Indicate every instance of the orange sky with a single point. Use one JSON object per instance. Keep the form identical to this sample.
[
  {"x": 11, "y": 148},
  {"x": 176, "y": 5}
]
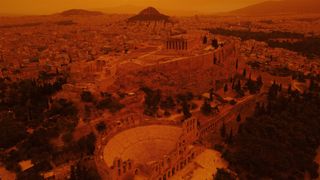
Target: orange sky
[{"x": 51, "y": 6}]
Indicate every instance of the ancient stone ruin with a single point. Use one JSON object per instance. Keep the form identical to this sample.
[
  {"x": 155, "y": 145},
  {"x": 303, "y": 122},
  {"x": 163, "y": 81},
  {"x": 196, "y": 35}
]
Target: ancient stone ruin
[{"x": 152, "y": 151}]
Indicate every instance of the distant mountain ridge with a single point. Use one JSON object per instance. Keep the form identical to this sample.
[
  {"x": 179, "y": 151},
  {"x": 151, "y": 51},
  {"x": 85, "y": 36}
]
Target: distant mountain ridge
[
  {"x": 280, "y": 7},
  {"x": 80, "y": 12},
  {"x": 133, "y": 9},
  {"x": 124, "y": 9}
]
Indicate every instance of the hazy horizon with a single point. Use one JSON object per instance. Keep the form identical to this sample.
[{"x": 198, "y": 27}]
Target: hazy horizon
[{"x": 37, "y": 7}]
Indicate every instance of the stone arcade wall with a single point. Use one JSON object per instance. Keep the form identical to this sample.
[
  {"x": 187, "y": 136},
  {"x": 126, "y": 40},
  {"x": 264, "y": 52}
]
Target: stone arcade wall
[
  {"x": 183, "y": 154},
  {"x": 196, "y": 74},
  {"x": 121, "y": 168}
]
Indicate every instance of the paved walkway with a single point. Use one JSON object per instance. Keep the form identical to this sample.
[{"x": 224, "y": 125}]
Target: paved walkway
[
  {"x": 202, "y": 167},
  {"x": 6, "y": 175}
]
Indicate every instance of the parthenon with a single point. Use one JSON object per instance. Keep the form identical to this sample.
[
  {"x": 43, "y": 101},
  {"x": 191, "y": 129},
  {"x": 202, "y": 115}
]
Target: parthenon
[{"x": 177, "y": 44}]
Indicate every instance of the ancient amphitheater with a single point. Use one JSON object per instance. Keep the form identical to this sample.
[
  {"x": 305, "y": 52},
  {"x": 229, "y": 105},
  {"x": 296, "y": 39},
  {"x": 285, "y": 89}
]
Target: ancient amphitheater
[
  {"x": 156, "y": 151},
  {"x": 142, "y": 144}
]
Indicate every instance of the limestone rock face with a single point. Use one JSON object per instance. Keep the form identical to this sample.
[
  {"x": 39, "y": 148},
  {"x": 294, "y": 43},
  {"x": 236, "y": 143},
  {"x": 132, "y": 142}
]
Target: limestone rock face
[
  {"x": 150, "y": 14},
  {"x": 280, "y": 7}
]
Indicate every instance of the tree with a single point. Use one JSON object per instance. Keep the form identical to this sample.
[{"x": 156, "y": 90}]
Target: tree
[
  {"x": 87, "y": 144},
  {"x": 152, "y": 100},
  {"x": 167, "y": 113},
  {"x": 101, "y": 126},
  {"x": 312, "y": 85},
  {"x": 244, "y": 73},
  {"x": 257, "y": 109},
  {"x": 43, "y": 76},
  {"x": 273, "y": 91},
  {"x": 223, "y": 174},
  {"x": 225, "y": 89},
  {"x": 253, "y": 86},
  {"x": 64, "y": 108},
  {"x": 67, "y": 137},
  {"x": 110, "y": 103},
  {"x": 289, "y": 89},
  {"x": 87, "y": 112},
  {"x": 34, "y": 59},
  {"x": 168, "y": 103},
  {"x": 223, "y": 130},
  {"x": 86, "y": 96},
  {"x": 237, "y": 64},
  {"x": 214, "y": 43},
  {"x": 24, "y": 104},
  {"x": 238, "y": 87},
  {"x": 239, "y": 118},
  {"x": 211, "y": 95},
  {"x": 230, "y": 137},
  {"x": 11, "y": 132},
  {"x": 206, "y": 108},
  {"x": 82, "y": 170},
  {"x": 205, "y": 40},
  {"x": 259, "y": 81},
  {"x": 188, "y": 96},
  {"x": 186, "y": 110},
  {"x": 287, "y": 136}
]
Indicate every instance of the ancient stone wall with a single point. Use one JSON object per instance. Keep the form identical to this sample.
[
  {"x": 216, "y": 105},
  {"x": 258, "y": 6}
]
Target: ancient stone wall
[
  {"x": 196, "y": 74},
  {"x": 183, "y": 154},
  {"x": 170, "y": 165},
  {"x": 214, "y": 124},
  {"x": 121, "y": 168}
]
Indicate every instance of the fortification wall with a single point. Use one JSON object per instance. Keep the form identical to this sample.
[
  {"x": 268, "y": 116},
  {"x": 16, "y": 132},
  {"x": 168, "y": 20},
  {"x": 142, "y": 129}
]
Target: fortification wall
[{"x": 196, "y": 74}]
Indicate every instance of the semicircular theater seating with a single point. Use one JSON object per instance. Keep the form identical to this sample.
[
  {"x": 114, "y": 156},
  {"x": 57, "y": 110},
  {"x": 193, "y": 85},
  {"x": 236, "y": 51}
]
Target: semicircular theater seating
[{"x": 142, "y": 144}]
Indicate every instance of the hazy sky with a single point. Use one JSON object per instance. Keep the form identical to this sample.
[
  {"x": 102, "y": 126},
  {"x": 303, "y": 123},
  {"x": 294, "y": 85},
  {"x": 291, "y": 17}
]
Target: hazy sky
[{"x": 51, "y": 6}]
